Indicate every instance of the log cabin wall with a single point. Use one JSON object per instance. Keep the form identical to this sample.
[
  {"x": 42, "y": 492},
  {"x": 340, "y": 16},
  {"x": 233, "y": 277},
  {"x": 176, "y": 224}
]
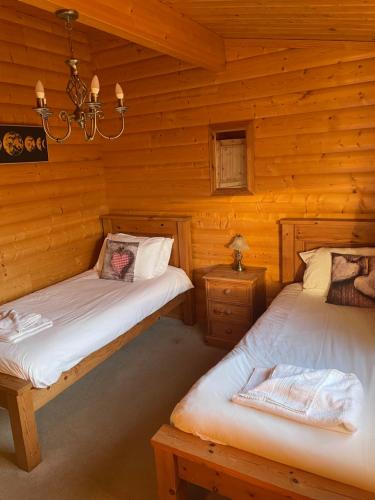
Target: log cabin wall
[
  {"x": 313, "y": 106},
  {"x": 49, "y": 226}
]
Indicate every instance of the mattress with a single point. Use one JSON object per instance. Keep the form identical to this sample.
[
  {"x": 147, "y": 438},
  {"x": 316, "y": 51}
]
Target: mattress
[
  {"x": 299, "y": 328},
  {"x": 88, "y": 313}
]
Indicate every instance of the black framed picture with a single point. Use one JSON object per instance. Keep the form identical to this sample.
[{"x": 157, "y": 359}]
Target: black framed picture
[{"x": 23, "y": 144}]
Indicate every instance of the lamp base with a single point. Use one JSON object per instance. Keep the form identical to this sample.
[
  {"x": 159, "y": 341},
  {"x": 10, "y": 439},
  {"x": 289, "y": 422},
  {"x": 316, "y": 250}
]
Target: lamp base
[
  {"x": 237, "y": 264},
  {"x": 238, "y": 267}
]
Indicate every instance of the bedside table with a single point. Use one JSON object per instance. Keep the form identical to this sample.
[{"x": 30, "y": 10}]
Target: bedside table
[{"x": 234, "y": 301}]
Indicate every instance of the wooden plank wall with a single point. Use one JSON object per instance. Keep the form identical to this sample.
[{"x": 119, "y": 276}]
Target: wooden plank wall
[
  {"x": 313, "y": 106},
  {"x": 49, "y": 227}
]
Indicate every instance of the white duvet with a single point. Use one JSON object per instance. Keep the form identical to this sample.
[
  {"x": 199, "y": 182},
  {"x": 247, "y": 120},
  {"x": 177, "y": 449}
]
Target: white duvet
[
  {"x": 87, "y": 314},
  {"x": 299, "y": 329}
]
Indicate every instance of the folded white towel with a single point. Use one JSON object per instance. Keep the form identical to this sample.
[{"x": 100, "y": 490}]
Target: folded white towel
[
  {"x": 324, "y": 398},
  {"x": 12, "y": 319},
  {"x": 16, "y": 326}
]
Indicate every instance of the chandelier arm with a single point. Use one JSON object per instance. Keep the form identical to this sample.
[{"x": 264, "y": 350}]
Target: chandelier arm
[
  {"x": 64, "y": 117},
  {"x": 89, "y": 136},
  {"x": 113, "y": 137}
]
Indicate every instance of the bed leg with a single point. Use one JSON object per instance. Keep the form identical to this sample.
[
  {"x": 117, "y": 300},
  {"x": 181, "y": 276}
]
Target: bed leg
[
  {"x": 170, "y": 486},
  {"x": 25, "y": 435},
  {"x": 189, "y": 308}
]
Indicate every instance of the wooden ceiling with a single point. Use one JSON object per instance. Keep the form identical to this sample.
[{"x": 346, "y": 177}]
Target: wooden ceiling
[
  {"x": 149, "y": 23},
  {"x": 284, "y": 19},
  {"x": 194, "y": 30}
]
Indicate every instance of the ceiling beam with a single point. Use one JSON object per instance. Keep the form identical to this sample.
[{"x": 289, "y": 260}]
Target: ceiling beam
[{"x": 149, "y": 23}]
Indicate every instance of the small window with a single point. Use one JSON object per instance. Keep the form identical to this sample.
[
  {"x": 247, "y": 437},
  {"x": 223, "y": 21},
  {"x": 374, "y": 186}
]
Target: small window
[{"x": 231, "y": 158}]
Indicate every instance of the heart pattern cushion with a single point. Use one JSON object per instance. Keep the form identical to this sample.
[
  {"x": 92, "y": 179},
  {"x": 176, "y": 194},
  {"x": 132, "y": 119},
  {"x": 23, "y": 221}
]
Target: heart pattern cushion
[
  {"x": 119, "y": 260},
  {"x": 352, "y": 280}
]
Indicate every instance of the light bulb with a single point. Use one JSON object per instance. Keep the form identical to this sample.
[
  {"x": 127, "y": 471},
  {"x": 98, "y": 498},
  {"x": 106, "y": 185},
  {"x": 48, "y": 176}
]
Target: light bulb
[
  {"x": 119, "y": 92},
  {"x": 39, "y": 90},
  {"x": 95, "y": 87}
]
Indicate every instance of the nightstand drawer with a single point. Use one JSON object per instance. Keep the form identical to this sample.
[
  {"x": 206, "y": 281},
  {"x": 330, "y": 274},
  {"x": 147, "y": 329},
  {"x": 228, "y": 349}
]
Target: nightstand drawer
[
  {"x": 230, "y": 331},
  {"x": 228, "y": 291},
  {"x": 229, "y": 312}
]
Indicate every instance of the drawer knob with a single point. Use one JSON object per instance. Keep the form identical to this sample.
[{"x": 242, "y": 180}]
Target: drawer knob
[
  {"x": 228, "y": 331},
  {"x": 227, "y": 291},
  {"x": 220, "y": 311}
]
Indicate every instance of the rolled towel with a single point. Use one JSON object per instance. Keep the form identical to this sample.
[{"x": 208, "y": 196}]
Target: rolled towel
[
  {"x": 325, "y": 398},
  {"x": 11, "y": 319},
  {"x": 15, "y": 326}
]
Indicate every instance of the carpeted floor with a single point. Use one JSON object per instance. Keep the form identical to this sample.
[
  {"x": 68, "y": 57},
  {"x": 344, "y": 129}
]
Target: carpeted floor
[{"x": 95, "y": 436}]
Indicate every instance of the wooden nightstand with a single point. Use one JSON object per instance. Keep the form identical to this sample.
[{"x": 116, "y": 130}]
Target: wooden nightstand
[{"x": 234, "y": 301}]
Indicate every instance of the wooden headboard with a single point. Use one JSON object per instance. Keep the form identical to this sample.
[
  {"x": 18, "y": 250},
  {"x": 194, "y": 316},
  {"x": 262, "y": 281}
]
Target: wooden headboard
[
  {"x": 177, "y": 228},
  {"x": 298, "y": 235}
]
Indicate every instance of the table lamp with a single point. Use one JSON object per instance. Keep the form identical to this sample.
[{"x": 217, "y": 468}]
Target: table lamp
[{"x": 239, "y": 245}]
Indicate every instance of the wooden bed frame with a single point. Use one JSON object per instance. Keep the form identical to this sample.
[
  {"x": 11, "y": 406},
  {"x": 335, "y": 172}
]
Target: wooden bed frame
[
  {"x": 22, "y": 400},
  {"x": 183, "y": 458}
]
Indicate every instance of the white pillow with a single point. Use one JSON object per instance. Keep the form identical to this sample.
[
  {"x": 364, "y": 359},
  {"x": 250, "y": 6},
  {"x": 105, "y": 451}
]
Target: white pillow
[
  {"x": 318, "y": 262},
  {"x": 152, "y": 257}
]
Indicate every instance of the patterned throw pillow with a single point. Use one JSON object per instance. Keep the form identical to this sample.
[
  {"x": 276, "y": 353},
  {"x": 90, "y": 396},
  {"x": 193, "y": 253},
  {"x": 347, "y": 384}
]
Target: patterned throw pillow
[
  {"x": 119, "y": 261},
  {"x": 352, "y": 281}
]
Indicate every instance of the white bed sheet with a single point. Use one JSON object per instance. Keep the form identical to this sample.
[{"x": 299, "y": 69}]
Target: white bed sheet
[
  {"x": 88, "y": 313},
  {"x": 299, "y": 328}
]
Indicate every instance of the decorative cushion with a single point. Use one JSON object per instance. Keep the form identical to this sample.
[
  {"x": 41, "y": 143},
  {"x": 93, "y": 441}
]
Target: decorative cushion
[
  {"x": 152, "y": 257},
  {"x": 318, "y": 262},
  {"x": 119, "y": 261},
  {"x": 352, "y": 281}
]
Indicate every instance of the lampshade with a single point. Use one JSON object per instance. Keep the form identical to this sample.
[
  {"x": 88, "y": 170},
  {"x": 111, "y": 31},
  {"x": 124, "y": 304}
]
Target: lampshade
[{"x": 239, "y": 243}]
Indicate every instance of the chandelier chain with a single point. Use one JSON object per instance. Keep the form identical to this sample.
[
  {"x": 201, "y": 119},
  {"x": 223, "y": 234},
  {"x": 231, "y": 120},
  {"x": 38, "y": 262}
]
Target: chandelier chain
[{"x": 69, "y": 29}]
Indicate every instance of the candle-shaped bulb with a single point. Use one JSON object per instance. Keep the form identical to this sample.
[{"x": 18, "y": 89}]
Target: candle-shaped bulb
[
  {"x": 39, "y": 90},
  {"x": 95, "y": 87},
  {"x": 119, "y": 92}
]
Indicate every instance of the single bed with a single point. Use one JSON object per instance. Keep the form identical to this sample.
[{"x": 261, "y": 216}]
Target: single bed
[
  {"x": 87, "y": 313},
  {"x": 90, "y": 316},
  {"x": 268, "y": 456}
]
